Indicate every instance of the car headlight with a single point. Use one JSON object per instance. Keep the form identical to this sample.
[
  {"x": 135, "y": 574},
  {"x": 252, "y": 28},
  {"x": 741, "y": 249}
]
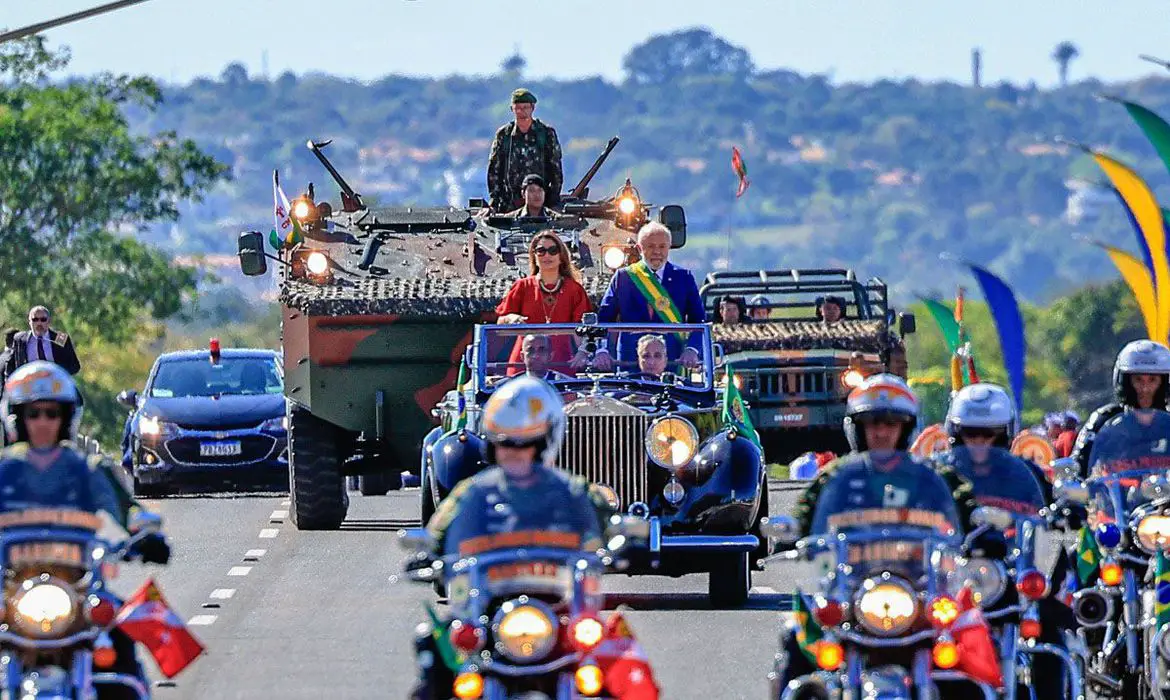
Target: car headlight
[
  {"x": 275, "y": 424},
  {"x": 1153, "y": 533},
  {"x": 152, "y": 426},
  {"x": 43, "y": 608},
  {"x": 986, "y": 577},
  {"x": 671, "y": 442},
  {"x": 886, "y": 607},
  {"x": 524, "y": 630},
  {"x": 851, "y": 378}
]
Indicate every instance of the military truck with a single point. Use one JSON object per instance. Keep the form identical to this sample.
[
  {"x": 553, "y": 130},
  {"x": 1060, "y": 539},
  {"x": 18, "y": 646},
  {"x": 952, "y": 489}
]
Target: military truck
[
  {"x": 794, "y": 370},
  {"x": 378, "y": 305}
]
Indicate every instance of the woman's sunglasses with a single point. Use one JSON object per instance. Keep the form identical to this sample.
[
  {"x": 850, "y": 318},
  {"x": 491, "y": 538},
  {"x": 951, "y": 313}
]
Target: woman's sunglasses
[
  {"x": 34, "y": 413},
  {"x": 978, "y": 432},
  {"x": 546, "y": 250}
]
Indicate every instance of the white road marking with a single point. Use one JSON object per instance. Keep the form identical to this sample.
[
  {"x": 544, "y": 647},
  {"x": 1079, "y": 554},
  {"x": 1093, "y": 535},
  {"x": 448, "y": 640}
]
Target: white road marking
[
  {"x": 202, "y": 620},
  {"x": 239, "y": 570},
  {"x": 255, "y": 553},
  {"x": 223, "y": 593},
  {"x": 286, "y": 503},
  {"x": 764, "y": 589},
  {"x": 278, "y": 515},
  {"x": 268, "y": 533}
]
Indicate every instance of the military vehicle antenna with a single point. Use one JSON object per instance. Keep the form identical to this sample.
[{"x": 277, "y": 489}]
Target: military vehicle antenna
[
  {"x": 66, "y": 19},
  {"x": 350, "y": 200},
  {"x": 583, "y": 186}
]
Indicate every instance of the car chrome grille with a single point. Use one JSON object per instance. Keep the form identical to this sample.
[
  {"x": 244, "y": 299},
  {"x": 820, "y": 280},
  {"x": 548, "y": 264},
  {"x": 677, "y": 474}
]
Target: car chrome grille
[
  {"x": 253, "y": 448},
  {"x": 609, "y": 450}
]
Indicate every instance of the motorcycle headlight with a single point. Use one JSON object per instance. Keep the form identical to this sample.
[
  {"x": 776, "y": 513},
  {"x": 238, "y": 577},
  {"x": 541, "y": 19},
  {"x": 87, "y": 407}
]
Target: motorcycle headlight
[
  {"x": 886, "y": 607},
  {"x": 1153, "y": 533},
  {"x": 524, "y": 630},
  {"x": 43, "y": 607},
  {"x": 987, "y": 578},
  {"x": 671, "y": 442}
]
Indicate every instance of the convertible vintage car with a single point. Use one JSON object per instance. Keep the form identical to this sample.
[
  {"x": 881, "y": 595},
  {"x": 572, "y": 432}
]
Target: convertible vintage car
[{"x": 654, "y": 441}]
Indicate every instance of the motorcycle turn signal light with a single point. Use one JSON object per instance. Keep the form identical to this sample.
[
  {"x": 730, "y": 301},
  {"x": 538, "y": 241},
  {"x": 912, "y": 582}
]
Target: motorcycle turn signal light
[
  {"x": 1111, "y": 573},
  {"x": 587, "y": 632},
  {"x": 589, "y": 680},
  {"x": 943, "y": 611},
  {"x": 1030, "y": 629},
  {"x": 468, "y": 686},
  {"x": 1032, "y": 585},
  {"x": 104, "y": 657},
  {"x": 945, "y": 654},
  {"x": 830, "y": 655}
]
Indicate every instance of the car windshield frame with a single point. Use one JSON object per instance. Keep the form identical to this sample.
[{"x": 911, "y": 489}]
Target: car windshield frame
[
  {"x": 484, "y": 333},
  {"x": 224, "y": 360}
]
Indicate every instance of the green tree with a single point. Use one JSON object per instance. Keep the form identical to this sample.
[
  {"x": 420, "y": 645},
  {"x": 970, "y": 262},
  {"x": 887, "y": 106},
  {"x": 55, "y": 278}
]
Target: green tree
[{"x": 1063, "y": 54}]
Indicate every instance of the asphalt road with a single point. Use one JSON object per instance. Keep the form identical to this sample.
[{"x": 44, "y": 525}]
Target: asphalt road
[{"x": 293, "y": 614}]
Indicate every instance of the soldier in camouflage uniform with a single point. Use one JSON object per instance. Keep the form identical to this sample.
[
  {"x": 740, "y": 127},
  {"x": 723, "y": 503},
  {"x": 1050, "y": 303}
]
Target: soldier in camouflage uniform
[
  {"x": 523, "y": 146},
  {"x": 533, "y": 191}
]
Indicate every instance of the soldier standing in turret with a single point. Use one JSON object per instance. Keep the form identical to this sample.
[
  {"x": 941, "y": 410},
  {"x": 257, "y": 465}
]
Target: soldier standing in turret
[{"x": 523, "y": 146}]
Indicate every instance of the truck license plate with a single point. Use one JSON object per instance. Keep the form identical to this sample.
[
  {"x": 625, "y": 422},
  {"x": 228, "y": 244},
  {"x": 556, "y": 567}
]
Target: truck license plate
[{"x": 219, "y": 449}]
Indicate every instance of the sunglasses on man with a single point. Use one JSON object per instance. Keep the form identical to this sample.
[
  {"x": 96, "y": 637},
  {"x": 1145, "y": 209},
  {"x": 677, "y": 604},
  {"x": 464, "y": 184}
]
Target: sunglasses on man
[
  {"x": 48, "y": 413},
  {"x": 987, "y": 433},
  {"x": 39, "y": 319}
]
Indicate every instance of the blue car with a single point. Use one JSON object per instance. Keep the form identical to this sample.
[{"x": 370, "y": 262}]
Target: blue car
[{"x": 208, "y": 417}]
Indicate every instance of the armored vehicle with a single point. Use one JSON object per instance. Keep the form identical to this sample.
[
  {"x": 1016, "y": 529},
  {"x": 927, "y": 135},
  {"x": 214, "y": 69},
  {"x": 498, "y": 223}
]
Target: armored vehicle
[
  {"x": 794, "y": 369},
  {"x": 379, "y": 304}
]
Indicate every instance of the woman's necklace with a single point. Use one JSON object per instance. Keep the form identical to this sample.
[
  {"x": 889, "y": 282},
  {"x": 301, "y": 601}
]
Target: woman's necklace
[{"x": 550, "y": 297}]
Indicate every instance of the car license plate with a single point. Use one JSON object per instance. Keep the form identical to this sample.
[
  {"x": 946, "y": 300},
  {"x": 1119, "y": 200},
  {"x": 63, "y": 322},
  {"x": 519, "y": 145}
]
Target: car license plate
[{"x": 219, "y": 449}]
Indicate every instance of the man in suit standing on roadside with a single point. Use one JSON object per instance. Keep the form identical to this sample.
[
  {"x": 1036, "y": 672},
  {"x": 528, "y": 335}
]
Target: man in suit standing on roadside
[{"x": 41, "y": 342}]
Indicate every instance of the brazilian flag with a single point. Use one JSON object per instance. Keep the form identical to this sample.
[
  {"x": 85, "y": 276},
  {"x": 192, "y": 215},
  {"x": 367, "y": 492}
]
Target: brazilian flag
[
  {"x": 1088, "y": 555},
  {"x": 460, "y": 419},
  {"x": 1161, "y": 590},
  {"x": 442, "y": 636},
  {"x": 735, "y": 412},
  {"x": 808, "y": 632}
]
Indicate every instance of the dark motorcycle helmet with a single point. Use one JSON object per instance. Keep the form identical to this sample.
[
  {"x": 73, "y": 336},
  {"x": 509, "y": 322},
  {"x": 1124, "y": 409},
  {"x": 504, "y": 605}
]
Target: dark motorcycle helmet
[
  {"x": 880, "y": 396},
  {"x": 40, "y": 381},
  {"x": 525, "y": 412},
  {"x": 1141, "y": 357},
  {"x": 982, "y": 406}
]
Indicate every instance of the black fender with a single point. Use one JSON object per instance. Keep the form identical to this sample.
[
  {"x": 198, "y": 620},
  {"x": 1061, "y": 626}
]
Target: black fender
[
  {"x": 724, "y": 485},
  {"x": 455, "y": 457}
]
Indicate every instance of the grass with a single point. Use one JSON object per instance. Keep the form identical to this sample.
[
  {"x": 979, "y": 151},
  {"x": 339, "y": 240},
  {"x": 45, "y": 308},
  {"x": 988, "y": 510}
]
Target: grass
[{"x": 778, "y": 471}]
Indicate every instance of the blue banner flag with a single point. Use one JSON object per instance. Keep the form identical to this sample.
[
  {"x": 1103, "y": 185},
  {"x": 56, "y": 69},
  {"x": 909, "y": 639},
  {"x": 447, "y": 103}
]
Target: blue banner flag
[{"x": 1001, "y": 301}]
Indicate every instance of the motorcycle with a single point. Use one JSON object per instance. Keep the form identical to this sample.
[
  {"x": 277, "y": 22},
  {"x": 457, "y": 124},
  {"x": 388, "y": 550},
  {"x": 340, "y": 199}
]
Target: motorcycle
[
  {"x": 525, "y": 620},
  {"x": 884, "y": 613},
  {"x": 57, "y": 610}
]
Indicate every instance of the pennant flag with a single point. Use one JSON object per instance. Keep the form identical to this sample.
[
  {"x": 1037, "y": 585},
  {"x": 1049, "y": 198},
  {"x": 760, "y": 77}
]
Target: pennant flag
[
  {"x": 956, "y": 372},
  {"x": 808, "y": 632},
  {"x": 1161, "y": 590},
  {"x": 1154, "y": 127},
  {"x": 740, "y": 171},
  {"x": 287, "y": 229},
  {"x": 461, "y": 401},
  {"x": 964, "y": 341},
  {"x": 735, "y": 413},
  {"x": 625, "y": 668},
  {"x": 1088, "y": 555},
  {"x": 945, "y": 318},
  {"x": 978, "y": 657},
  {"x": 1140, "y": 280},
  {"x": 1010, "y": 325},
  {"x": 147, "y": 619},
  {"x": 442, "y": 636},
  {"x": 1148, "y": 214},
  {"x": 1147, "y": 258}
]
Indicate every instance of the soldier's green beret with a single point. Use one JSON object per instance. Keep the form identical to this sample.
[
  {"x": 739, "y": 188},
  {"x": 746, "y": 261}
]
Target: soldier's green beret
[{"x": 522, "y": 95}]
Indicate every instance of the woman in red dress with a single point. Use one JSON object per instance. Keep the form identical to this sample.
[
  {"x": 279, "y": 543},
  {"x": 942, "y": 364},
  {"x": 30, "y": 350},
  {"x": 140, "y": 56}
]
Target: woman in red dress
[{"x": 551, "y": 293}]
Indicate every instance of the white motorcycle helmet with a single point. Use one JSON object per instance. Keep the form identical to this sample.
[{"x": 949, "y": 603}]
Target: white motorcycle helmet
[
  {"x": 40, "y": 381},
  {"x": 879, "y": 396},
  {"x": 983, "y": 406},
  {"x": 525, "y": 411},
  {"x": 1141, "y": 357}
]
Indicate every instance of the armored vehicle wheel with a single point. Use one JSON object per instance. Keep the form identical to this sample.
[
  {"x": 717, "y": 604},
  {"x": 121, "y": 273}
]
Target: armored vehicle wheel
[
  {"x": 379, "y": 483},
  {"x": 730, "y": 580},
  {"x": 317, "y": 495}
]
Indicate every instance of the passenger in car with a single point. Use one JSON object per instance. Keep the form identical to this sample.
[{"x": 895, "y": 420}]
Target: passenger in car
[
  {"x": 652, "y": 356},
  {"x": 731, "y": 310},
  {"x": 758, "y": 308},
  {"x": 830, "y": 310},
  {"x": 537, "y": 353}
]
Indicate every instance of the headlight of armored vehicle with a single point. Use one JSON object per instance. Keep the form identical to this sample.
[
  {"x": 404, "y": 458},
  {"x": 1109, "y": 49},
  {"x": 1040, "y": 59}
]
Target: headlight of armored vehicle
[
  {"x": 524, "y": 630},
  {"x": 43, "y": 607},
  {"x": 1153, "y": 533},
  {"x": 987, "y": 578},
  {"x": 671, "y": 442},
  {"x": 886, "y": 607}
]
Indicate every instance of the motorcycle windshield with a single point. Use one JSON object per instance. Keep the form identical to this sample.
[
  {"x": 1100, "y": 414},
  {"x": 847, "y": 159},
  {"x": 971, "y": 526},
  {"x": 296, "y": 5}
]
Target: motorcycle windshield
[
  {"x": 1118, "y": 467},
  {"x": 999, "y": 479},
  {"x": 909, "y": 496}
]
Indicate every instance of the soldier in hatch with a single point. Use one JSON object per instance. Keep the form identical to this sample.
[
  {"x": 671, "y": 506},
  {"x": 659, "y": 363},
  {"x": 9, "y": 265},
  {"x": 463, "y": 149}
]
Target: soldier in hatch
[
  {"x": 534, "y": 198},
  {"x": 522, "y": 146}
]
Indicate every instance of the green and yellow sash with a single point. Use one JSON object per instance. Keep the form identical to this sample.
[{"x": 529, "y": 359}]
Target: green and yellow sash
[{"x": 648, "y": 284}]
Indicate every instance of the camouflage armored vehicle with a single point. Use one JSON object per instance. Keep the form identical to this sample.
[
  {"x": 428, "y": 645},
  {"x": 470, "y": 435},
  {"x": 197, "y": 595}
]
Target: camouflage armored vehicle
[
  {"x": 795, "y": 370},
  {"x": 378, "y": 306}
]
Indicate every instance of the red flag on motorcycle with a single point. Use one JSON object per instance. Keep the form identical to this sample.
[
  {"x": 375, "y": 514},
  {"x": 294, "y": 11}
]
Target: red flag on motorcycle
[
  {"x": 740, "y": 171},
  {"x": 624, "y": 664},
  {"x": 978, "y": 657},
  {"x": 147, "y": 618}
]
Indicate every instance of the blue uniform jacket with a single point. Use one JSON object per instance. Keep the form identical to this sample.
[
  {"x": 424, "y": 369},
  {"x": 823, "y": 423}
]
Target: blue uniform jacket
[{"x": 625, "y": 304}]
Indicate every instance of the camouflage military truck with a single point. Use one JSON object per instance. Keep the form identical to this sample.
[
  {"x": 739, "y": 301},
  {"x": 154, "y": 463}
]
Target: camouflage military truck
[
  {"x": 378, "y": 306},
  {"x": 794, "y": 370}
]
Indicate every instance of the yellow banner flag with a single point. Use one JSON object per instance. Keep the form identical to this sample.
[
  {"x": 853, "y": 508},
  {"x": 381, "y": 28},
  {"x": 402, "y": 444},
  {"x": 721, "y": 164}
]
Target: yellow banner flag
[
  {"x": 1144, "y": 205},
  {"x": 1135, "y": 274}
]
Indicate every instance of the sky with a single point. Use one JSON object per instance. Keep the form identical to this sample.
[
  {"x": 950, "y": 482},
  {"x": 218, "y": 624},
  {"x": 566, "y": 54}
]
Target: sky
[{"x": 852, "y": 40}]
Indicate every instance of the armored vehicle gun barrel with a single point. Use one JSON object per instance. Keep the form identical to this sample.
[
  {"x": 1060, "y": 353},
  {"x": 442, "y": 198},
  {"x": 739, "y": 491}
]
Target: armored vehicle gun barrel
[
  {"x": 350, "y": 200},
  {"x": 582, "y": 187}
]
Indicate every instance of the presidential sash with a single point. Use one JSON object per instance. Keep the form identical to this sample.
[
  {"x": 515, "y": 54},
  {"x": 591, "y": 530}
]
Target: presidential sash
[{"x": 651, "y": 288}]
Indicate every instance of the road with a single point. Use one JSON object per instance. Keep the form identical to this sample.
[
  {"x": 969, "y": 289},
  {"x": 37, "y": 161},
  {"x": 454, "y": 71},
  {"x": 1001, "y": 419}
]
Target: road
[{"x": 293, "y": 614}]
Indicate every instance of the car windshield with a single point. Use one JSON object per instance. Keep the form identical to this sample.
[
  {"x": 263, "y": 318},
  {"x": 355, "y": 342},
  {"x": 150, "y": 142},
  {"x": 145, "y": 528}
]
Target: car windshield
[
  {"x": 232, "y": 376},
  {"x": 639, "y": 352}
]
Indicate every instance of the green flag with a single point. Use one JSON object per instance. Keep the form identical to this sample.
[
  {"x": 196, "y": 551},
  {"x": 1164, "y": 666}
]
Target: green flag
[
  {"x": 735, "y": 413},
  {"x": 945, "y": 318},
  {"x": 441, "y": 634},
  {"x": 1161, "y": 590},
  {"x": 808, "y": 632},
  {"x": 1088, "y": 556},
  {"x": 461, "y": 416},
  {"x": 1154, "y": 127}
]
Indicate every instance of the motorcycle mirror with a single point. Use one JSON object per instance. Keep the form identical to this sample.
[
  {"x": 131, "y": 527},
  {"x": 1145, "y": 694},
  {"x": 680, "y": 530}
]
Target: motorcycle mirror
[
  {"x": 415, "y": 539},
  {"x": 781, "y": 528},
  {"x": 997, "y": 518},
  {"x": 1155, "y": 486},
  {"x": 1071, "y": 490},
  {"x": 145, "y": 521}
]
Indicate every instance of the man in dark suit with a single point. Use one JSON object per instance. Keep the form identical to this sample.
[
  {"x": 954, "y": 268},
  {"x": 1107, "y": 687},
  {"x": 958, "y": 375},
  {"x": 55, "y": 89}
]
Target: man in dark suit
[
  {"x": 635, "y": 296},
  {"x": 43, "y": 343}
]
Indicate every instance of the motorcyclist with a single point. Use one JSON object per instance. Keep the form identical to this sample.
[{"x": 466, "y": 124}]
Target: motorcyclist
[
  {"x": 1136, "y": 358},
  {"x": 43, "y": 468},
  {"x": 880, "y": 416},
  {"x": 523, "y": 425},
  {"x": 1140, "y": 379}
]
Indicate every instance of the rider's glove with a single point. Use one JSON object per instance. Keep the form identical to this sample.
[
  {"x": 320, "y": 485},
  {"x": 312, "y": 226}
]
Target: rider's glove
[
  {"x": 420, "y": 560},
  {"x": 152, "y": 549}
]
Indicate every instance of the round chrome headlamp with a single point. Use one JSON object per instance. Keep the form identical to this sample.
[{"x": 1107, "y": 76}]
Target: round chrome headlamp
[
  {"x": 671, "y": 442},
  {"x": 1153, "y": 533},
  {"x": 885, "y": 606},
  {"x": 43, "y": 607},
  {"x": 525, "y": 630},
  {"x": 987, "y": 577}
]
